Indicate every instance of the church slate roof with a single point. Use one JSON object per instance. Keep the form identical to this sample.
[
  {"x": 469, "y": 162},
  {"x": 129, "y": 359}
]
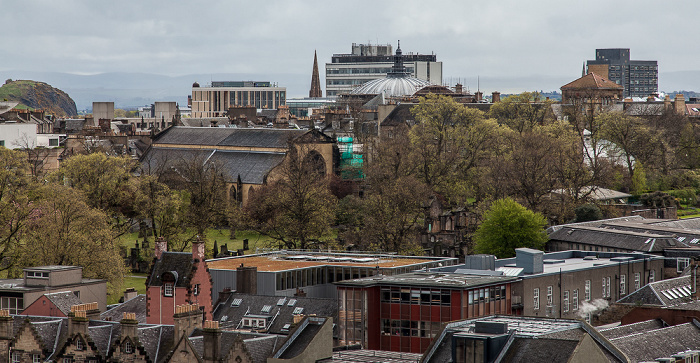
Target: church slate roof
[
  {"x": 613, "y": 238},
  {"x": 629, "y": 329},
  {"x": 540, "y": 350},
  {"x": 663, "y": 342},
  {"x": 226, "y": 136},
  {"x": 667, "y": 292}
]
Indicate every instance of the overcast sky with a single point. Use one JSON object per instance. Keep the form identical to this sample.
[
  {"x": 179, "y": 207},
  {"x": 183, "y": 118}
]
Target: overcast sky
[{"x": 510, "y": 38}]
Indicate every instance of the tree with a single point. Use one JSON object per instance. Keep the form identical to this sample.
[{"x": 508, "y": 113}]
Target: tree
[
  {"x": 107, "y": 183},
  {"x": 508, "y": 225},
  {"x": 15, "y": 205},
  {"x": 65, "y": 230},
  {"x": 298, "y": 208},
  {"x": 522, "y": 112},
  {"x": 588, "y": 212}
]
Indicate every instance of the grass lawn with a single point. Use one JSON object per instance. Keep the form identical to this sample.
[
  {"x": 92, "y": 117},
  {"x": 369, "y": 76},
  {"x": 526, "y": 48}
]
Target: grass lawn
[
  {"x": 220, "y": 236},
  {"x": 135, "y": 280}
]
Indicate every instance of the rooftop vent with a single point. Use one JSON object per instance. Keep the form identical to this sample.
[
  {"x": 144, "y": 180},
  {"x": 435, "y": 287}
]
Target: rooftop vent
[{"x": 490, "y": 327}]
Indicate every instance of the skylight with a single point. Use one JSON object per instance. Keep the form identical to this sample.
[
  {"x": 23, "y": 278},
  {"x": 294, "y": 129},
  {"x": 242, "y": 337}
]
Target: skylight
[
  {"x": 266, "y": 308},
  {"x": 236, "y": 302},
  {"x": 292, "y": 302},
  {"x": 281, "y": 301},
  {"x": 298, "y": 311}
]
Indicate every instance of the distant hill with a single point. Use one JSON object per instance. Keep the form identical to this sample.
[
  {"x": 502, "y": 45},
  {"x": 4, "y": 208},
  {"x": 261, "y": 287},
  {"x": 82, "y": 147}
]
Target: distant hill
[{"x": 41, "y": 95}]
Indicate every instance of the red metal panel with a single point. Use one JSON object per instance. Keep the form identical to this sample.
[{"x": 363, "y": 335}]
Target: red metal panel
[{"x": 456, "y": 304}]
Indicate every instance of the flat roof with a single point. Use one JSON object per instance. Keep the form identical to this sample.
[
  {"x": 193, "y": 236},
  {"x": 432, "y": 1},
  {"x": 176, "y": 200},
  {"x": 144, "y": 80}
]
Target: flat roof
[
  {"x": 523, "y": 325},
  {"x": 429, "y": 279},
  {"x": 281, "y": 261}
]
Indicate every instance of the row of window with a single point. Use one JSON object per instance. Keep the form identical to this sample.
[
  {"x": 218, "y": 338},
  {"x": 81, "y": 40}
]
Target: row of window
[
  {"x": 382, "y": 70},
  {"x": 494, "y": 293},
  {"x": 169, "y": 289},
  {"x": 16, "y": 357},
  {"x": 36, "y": 274},
  {"x": 409, "y": 296},
  {"x": 410, "y": 328},
  {"x": 587, "y": 291}
]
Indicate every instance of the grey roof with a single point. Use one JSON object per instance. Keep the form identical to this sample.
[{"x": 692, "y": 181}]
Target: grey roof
[
  {"x": 598, "y": 193},
  {"x": 433, "y": 279},
  {"x": 135, "y": 305},
  {"x": 63, "y": 300},
  {"x": 230, "y": 316},
  {"x": 613, "y": 238},
  {"x": 372, "y": 356},
  {"x": 667, "y": 292},
  {"x": 597, "y": 223},
  {"x": 220, "y": 136},
  {"x": 301, "y": 341},
  {"x": 629, "y": 329},
  {"x": 260, "y": 348},
  {"x": 664, "y": 342},
  {"x": 252, "y": 167},
  {"x": 540, "y": 350},
  {"x": 203, "y": 121},
  {"x": 179, "y": 262}
]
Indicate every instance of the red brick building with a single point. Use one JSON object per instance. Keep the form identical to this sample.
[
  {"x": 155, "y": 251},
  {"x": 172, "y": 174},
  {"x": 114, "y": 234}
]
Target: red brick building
[
  {"x": 177, "y": 278},
  {"x": 403, "y": 313}
]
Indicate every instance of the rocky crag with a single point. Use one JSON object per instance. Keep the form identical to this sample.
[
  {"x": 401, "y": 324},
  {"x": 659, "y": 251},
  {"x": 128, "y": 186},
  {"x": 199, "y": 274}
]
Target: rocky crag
[{"x": 39, "y": 95}]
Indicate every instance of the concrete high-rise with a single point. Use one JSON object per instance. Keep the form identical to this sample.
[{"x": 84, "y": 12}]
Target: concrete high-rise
[
  {"x": 371, "y": 61},
  {"x": 639, "y": 78}
]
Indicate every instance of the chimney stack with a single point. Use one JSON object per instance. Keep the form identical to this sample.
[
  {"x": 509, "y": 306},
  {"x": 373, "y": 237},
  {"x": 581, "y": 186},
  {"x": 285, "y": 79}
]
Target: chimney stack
[
  {"x": 247, "y": 279},
  {"x": 458, "y": 88},
  {"x": 495, "y": 97},
  {"x": 129, "y": 326},
  {"x": 130, "y": 293},
  {"x": 198, "y": 250},
  {"x": 679, "y": 104},
  {"x": 212, "y": 341},
  {"x": 187, "y": 318},
  {"x": 77, "y": 322},
  {"x": 161, "y": 245},
  {"x": 6, "y": 323}
]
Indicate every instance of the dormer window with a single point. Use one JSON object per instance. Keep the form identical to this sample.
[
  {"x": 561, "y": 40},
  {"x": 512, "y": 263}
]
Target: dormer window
[
  {"x": 128, "y": 347},
  {"x": 168, "y": 289},
  {"x": 79, "y": 345},
  {"x": 195, "y": 290}
]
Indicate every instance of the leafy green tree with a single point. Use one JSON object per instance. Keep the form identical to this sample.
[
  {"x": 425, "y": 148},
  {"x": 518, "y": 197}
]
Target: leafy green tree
[
  {"x": 15, "y": 204},
  {"x": 508, "y": 225},
  {"x": 522, "y": 112},
  {"x": 65, "y": 230}
]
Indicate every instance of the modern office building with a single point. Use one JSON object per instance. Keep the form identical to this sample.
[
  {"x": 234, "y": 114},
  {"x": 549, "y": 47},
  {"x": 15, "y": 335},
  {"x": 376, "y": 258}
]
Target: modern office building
[
  {"x": 215, "y": 99},
  {"x": 367, "y": 62},
  {"x": 640, "y": 78}
]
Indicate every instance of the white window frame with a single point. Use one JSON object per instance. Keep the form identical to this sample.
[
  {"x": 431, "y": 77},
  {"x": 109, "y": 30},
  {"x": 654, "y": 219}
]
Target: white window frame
[
  {"x": 168, "y": 289},
  {"x": 195, "y": 289},
  {"x": 36, "y": 358},
  {"x": 79, "y": 344},
  {"x": 16, "y": 357},
  {"x": 550, "y": 297},
  {"x": 128, "y": 347},
  {"x": 604, "y": 289},
  {"x": 637, "y": 281},
  {"x": 575, "y": 307},
  {"x": 652, "y": 275},
  {"x": 682, "y": 263},
  {"x": 623, "y": 284},
  {"x": 536, "y": 298},
  {"x": 587, "y": 291},
  {"x": 565, "y": 303}
]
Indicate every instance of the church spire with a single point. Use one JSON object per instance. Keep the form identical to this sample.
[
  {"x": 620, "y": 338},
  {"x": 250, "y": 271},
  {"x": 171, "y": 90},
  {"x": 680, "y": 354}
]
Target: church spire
[{"x": 315, "y": 90}]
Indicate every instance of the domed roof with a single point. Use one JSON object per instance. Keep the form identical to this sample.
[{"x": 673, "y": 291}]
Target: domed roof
[
  {"x": 391, "y": 87},
  {"x": 398, "y": 81}
]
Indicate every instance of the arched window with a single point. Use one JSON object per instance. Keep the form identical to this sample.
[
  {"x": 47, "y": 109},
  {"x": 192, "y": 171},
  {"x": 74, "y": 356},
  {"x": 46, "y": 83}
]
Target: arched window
[{"x": 316, "y": 161}]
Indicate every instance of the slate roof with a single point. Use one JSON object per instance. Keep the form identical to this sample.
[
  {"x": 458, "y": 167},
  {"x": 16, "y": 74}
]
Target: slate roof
[
  {"x": 230, "y": 316},
  {"x": 63, "y": 300},
  {"x": 667, "y": 292},
  {"x": 136, "y": 305},
  {"x": 664, "y": 342},
  {"x": 372, "y": 356},
  {"x": 613, "y": 238},
  {"x": 253, "y": 167},
  {"x": 178, "y": 262},
  {"x": 629, "y": 329},
  {"x": 260, "y": 348},
  {"x": 225, "y": 136},
  {"x": 540, "y": 350},
  {"x": 591, "y": 81}
]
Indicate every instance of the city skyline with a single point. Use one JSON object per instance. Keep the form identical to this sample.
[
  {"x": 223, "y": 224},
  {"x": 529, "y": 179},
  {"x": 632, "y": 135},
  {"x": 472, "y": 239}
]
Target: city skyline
[{"x": 537, "y": 45}]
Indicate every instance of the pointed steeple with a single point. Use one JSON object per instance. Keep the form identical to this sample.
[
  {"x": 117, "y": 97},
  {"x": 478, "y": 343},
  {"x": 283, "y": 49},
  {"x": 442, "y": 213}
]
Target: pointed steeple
[
  {"x": 398, "y": 70},
  {"x": 315, "y": 90}
]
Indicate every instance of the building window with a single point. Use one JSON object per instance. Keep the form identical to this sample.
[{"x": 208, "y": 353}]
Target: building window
[
  {"x": 36, "y": 358},
  {"x": 168, "y": 289},
  {"x": 79, "y": 345},
  {"x": 637, "y": 282},
  {"x": 196, "y": 290},
  {"x": 128, "y": 348},
  {"x": 575, "y": 299},
  {"x": 587, "y": 291},
  {"x": 682, "y": 263},
  {"x": 550, "y": 301},
  {"x": 623, "y": 288},
  {"x": 67, "y": 360},
  {"x": 16, "y": 357},
  {"x": 14, "y": 305},
  {"x": 606, "y": 286},
  {"x": 652, "y": 275},
  {"x": 536, "y": 297},
  {"x": 565, "y": 303}
]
